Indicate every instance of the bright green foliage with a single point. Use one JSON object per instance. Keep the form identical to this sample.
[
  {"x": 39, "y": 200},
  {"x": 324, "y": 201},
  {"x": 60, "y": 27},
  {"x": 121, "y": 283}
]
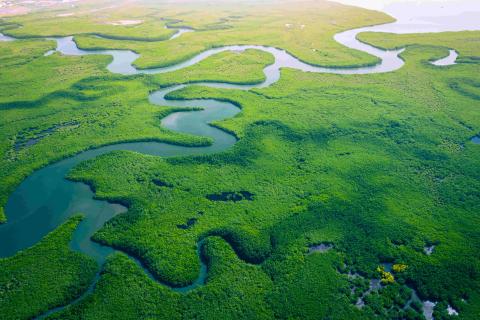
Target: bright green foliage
[
  {"x": 27, "y": 76},
  {"x": 231, "y": 282},
  {"x": 244, "y": 68},
  {"x": 71, "y": 104},
  {"x": 125, "y": 290},
  {"x": 44, "y": 276},
  {"x": 311, "y": 288},
  {"x": 371, "y": 162},
  {"x": 392, "y": 302},
  {"x": 385, "y": 276},
  {"x": 398, "y": 268}
]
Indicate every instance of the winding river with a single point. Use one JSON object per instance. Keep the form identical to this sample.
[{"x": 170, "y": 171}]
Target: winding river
[
  {"x": 46, "y": 199},
  {"x": 32, "y": 214}
]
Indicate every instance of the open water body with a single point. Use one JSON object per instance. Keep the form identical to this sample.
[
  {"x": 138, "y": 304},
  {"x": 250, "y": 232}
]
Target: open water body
[{"x": 46, "y": 199}]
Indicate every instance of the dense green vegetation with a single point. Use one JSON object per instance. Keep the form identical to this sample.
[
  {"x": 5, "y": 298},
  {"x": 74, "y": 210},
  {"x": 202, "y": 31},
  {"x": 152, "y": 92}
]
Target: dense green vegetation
[
  {"x": 380, "y": 175},
  {"x": 71, "y": 104},
  {"x": 126, "y": 286},
  {"x": 378, "y": 166},
  {"x": 44, "y": 276}
]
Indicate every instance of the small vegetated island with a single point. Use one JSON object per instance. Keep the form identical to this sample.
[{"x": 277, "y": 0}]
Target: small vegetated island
[{"x": 235, "y": 160}]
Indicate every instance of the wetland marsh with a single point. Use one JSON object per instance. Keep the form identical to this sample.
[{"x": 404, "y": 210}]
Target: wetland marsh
[{"x": 282, "y": 141}]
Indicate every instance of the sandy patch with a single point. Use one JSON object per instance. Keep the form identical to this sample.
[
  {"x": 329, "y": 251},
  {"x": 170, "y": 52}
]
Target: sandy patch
[
  {"x": 125, "y": 22},
  {"x": 65, "y": 15},
  {"x": 294, "y": 25}
]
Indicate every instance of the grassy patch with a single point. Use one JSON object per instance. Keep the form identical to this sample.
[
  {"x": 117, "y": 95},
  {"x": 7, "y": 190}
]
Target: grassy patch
[{"x": 233, "y": 67}]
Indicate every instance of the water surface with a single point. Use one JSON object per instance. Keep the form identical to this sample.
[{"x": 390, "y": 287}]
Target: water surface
[
  {"x": 448, "y": 60},
  {"x": 5, "y": 38}
]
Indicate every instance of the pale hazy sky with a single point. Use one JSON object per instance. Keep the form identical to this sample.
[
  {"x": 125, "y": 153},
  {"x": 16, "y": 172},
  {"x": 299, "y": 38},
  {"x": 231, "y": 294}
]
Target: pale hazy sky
[
  {"x": 457, "y": 14},
  {"x": 379, "y": 4}
]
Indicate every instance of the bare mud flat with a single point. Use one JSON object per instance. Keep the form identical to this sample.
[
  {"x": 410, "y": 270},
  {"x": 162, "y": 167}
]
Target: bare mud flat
[
  {"x": 65, "y": 15},
  {"x": 125, "y": 22}
]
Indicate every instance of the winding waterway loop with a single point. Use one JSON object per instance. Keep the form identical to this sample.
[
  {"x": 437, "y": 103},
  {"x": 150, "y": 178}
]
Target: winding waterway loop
[{"x": 45, "y": 199}]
